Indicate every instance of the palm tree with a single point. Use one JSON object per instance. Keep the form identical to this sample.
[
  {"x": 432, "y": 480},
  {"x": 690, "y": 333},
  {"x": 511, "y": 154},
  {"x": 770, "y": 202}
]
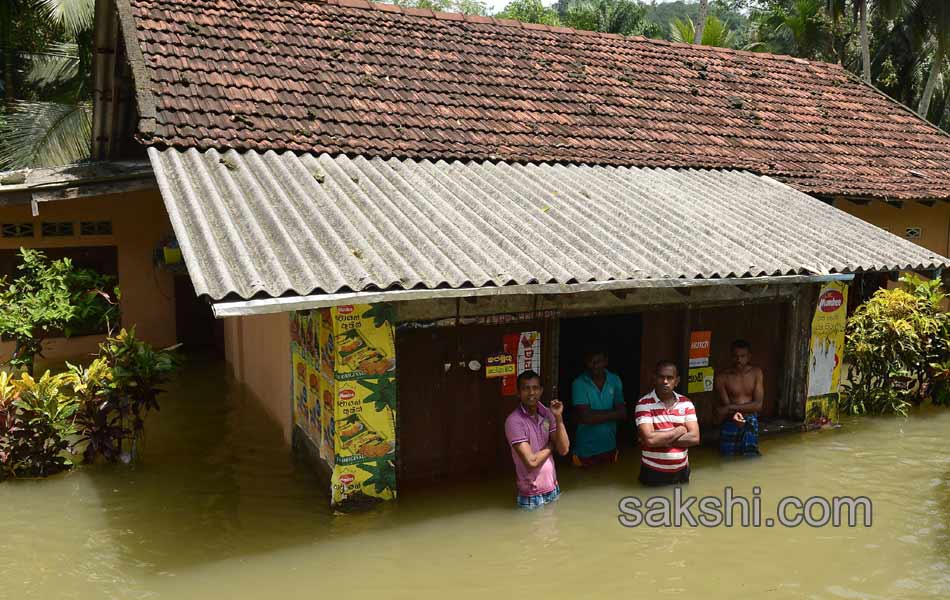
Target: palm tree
[
  {"x": 800, "y": 31},
  {"x": 860, "y": 8},
  {"x": 716, "y": 33},
  {"x": 701, "y": 19},
  {"x": 625, "y": 17},
  {"x": 48, "y": 121},
  {"x": 931, "y": 19}
]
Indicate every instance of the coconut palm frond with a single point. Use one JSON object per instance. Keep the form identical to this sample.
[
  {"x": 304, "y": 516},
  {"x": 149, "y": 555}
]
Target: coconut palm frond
[
  {"x": 57, "y": 65},
  {"x": 41, "y": 134},
  {"x": 75, "y": 16},
  {"x": 682, "y": 30},
  {"x": 609, "y": 16},
  {"x": 716, "y": 33}
]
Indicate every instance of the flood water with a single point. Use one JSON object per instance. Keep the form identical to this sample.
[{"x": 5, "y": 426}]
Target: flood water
[{"x": 216, "y": 508}]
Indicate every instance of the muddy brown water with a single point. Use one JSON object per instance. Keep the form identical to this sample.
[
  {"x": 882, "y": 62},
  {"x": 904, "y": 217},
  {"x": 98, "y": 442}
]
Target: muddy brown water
[{"x": 216, "y": 508}]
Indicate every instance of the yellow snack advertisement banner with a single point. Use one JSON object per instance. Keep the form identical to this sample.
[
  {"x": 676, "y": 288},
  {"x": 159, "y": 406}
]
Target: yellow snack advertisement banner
[
  {"x": 300, "y": 387},
  {"x": 325, "y": 365},
  {"x": 314, "y": 405},
  {"x": 363, "y": 341},
  {"x": 826, "y": 353},
  {"x": 357, "y": 365},
  {"x": 827, "y": 340},
  {"x": 344, "y": 397},
  {"x": 365, "y": 440},
  {"x": 359, "y": 483},
  {"x": 365, "y": 420},
  {"x": 306, "y": 378}
]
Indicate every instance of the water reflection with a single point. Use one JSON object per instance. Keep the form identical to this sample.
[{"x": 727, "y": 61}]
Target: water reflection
[{"x": 217, "y": 508}]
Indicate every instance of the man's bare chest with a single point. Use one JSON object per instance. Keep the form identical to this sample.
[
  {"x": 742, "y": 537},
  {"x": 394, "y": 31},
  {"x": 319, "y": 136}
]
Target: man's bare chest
[{"x": 740, "y": 384}]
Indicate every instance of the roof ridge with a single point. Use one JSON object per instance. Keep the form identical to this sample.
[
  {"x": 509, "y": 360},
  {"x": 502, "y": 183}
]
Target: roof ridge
[{"x": 513, "y": 23}]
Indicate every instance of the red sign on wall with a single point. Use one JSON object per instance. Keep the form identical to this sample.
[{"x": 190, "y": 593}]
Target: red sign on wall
[
  {"x": 526, "y": 347},
  {"x": 700, "y": 343},
  {"x": 510, "y": 346}
]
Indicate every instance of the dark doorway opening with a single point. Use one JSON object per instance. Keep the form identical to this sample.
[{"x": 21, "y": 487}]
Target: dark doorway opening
[
  {"x": 621, "y": 336},
  {"x": 195, "y": 324}
]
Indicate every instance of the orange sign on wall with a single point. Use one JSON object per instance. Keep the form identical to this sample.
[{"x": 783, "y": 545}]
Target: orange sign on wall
[{"x": 700, "y": 343}]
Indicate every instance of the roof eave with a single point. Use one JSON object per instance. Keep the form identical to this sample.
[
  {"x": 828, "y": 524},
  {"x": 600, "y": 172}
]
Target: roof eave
[{"x": 277, "y": 305}]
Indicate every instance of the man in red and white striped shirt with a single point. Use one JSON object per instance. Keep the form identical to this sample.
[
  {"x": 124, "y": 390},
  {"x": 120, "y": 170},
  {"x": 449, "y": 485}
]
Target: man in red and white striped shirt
[{"x": 666, "y": 427}]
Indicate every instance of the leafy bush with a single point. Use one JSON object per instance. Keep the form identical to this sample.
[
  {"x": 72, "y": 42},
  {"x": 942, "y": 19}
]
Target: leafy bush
[
  {"x": 98, "y": 411},
  {"x": 49, "y": 298},
  {"x": 95, "y": 309},
  {"x": 99, "y": 420},
  {"x": 36, "y": 424},
  {"x": 117, "y": 391},
  {"x": 37, "y": 300},
  {"x": 897, "y": 350}
]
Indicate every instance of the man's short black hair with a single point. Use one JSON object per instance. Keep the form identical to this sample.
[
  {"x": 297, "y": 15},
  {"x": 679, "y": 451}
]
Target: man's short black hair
[
  {"x": 529, "y": 374},
  {"x": 593, "y": 349},
  {"x": 740, "y": 344},
  {"x": 666, "y": 363}
]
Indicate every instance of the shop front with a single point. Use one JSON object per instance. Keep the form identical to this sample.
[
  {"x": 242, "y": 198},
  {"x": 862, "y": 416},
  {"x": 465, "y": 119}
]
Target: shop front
[
  {"x": 409, "y": 395},
  {"x": 399, "y": 299}
]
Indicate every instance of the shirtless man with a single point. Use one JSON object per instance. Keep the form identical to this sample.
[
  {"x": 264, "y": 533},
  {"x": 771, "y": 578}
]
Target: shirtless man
[{"x": 740, "y": 391}]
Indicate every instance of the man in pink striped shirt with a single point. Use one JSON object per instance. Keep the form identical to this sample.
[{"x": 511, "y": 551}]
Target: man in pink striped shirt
[{"x": 666, "y": 427}]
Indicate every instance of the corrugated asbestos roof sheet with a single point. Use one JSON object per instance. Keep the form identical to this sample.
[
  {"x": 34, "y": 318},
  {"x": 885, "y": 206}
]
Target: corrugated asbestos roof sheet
[{"x": 267, "y": 224}]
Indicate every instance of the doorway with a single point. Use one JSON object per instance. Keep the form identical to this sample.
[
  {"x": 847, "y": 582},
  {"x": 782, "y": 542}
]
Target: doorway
[
  {"x": 621, "y": 336},
  {"x": 195, "y": 324}
]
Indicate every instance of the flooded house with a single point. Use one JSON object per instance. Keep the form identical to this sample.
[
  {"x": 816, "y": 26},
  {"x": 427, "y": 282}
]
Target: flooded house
[{"x": 392, "y": 212}]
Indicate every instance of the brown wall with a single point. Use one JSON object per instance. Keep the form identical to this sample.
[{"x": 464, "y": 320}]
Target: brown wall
[
  {"x": 257, "y": 350},
  {"x": 662, "y": 340},
  {"x": 452, "y": 421},
  {"x": 139, "y": 221},
  {"x": 934, "y": 221},
  {"x": 763, "y": 325}
]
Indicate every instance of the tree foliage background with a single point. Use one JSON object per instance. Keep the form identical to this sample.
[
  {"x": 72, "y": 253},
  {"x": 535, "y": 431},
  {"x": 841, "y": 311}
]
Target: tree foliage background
[
  {"x": 46, "y": 115},
  {"x": 900, "y": 46}
]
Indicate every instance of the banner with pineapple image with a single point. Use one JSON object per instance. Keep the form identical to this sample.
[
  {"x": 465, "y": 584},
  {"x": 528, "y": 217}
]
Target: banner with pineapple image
[
  {"x": 365, "y": 440},
  {"x": 363, "y": 341},
  {"x": 345, "y": 397}
]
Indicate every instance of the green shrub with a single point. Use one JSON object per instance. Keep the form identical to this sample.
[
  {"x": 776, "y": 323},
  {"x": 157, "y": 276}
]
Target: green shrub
[
  {"x": 116, "y": 392},
  {"x": 51, "y": 298},
  {"x": 896, "y": 343},
  {"x": 36, "y": 425},
  {"x": 97, "y": 411}
]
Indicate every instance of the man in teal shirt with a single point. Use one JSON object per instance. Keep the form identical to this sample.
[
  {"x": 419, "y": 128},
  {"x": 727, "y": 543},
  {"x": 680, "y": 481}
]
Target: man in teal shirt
[{"x": 597, "y": 396}]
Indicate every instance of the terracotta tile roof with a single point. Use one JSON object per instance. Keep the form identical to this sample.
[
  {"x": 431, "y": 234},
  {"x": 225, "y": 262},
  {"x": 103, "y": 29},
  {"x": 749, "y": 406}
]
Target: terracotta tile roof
[{"x": 347, "y": 76}]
